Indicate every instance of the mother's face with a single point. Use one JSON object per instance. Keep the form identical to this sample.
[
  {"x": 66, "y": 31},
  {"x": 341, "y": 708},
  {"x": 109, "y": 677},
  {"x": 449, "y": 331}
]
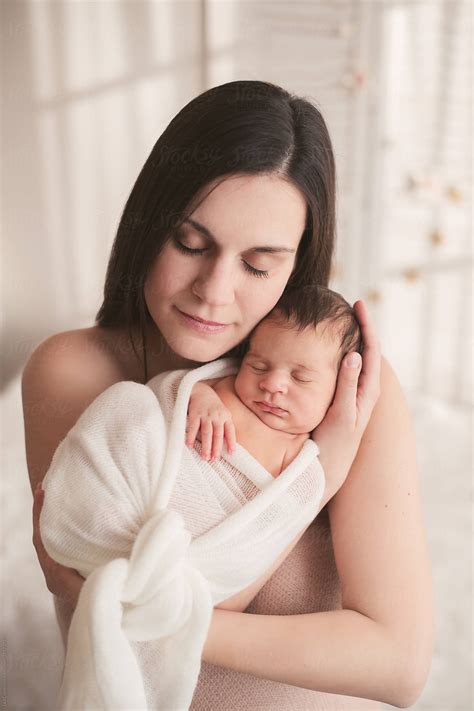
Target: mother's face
[{"x": 229, "y": 263}]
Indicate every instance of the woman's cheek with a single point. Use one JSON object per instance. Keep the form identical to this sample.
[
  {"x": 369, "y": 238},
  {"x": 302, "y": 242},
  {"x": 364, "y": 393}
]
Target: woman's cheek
[
  {"x": 259, "y": 304},
  {"x": 171, "y": 273}
]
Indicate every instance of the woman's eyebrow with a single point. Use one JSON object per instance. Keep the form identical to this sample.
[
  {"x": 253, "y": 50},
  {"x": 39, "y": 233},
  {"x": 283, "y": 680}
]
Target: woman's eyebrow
[{"x": 207, "y": 233}]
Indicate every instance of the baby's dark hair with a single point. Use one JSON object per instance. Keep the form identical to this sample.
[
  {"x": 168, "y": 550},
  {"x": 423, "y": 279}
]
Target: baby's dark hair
[{"x": 310, "y": 305}]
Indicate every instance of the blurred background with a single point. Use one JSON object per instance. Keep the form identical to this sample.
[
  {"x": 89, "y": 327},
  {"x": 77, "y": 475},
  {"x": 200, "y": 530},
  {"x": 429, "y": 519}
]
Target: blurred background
[{"x": 88, "y": 87}]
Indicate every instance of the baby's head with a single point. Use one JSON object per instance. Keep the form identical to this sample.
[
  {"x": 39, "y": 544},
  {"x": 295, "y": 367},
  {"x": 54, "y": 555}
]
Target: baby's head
[{"x": 292, "y": 358}]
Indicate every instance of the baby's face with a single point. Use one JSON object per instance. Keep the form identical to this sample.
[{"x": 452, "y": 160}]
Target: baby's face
[{"x": 293, "y": 371}]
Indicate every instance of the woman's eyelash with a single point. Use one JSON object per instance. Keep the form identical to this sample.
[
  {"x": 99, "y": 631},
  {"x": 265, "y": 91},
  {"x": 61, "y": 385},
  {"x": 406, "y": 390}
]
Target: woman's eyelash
[
  {"x": 197, "y": 252},
  {"x": 255, "y": 272}
]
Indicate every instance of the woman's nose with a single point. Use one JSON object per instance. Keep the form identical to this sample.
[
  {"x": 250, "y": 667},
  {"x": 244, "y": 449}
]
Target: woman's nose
[
  {"x": 215, "y": 285},
  {"x": 273, "y": 382}
]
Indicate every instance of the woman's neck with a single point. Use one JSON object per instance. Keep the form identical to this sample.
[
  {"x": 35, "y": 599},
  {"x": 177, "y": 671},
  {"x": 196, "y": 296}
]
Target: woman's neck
[{"x": 160, "y": 357}]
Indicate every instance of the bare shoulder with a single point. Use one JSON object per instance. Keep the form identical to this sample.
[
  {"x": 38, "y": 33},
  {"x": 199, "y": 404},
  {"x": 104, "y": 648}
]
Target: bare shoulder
[
  {"x": 101, "y": 355},
  {"x": 379, "y": 537},
  {"x": 62, "y": 376}
]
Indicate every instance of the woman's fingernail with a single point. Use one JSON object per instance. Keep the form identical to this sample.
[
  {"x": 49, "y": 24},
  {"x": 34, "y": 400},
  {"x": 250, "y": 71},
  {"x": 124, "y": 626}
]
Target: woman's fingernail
[{"x": 353, "y": 360}]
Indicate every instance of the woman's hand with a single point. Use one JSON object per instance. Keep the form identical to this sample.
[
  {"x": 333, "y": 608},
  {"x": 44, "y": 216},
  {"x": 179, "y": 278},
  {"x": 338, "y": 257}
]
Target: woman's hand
[
  {"x": 65, "y": 583},
  {"x": 338, "y": 436}
]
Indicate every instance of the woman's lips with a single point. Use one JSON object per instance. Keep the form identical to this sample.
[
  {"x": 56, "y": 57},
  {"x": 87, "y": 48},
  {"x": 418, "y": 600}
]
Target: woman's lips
[
  {"x": 201, "y": 326},
  {"x": 269, "y": 408}
]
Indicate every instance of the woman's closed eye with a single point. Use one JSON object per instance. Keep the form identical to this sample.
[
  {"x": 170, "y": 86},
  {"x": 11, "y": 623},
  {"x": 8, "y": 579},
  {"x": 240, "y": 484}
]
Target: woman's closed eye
[
  {"x": 196, "y": 252},
  {"x": 262, "y": 273}
]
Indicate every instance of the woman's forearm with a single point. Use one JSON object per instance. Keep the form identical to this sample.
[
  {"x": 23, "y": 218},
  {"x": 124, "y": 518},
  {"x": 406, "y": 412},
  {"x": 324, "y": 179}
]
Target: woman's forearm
[{"x": 338, "y": 652}]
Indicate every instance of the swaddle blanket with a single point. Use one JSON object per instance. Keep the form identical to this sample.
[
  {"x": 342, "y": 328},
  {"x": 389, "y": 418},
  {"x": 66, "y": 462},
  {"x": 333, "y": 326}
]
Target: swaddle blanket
[{"x": 107, "y": 514}]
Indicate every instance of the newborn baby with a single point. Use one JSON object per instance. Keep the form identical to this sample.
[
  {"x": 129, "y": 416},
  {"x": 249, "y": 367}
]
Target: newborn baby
[{"x": 285, "y": 384}]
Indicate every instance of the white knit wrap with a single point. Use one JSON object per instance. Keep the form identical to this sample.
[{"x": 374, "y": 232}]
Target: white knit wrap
[{"x": 106, "y": 514}]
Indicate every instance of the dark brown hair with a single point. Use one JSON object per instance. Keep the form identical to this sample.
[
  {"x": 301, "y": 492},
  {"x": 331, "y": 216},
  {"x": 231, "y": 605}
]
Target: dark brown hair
[
  {"x": 238, "y": 128},
  {"x": 301, "y": 307}
]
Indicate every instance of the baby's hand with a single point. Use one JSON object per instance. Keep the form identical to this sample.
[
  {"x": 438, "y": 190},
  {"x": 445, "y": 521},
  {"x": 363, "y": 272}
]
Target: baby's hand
[{"x": 208, "y": 415}]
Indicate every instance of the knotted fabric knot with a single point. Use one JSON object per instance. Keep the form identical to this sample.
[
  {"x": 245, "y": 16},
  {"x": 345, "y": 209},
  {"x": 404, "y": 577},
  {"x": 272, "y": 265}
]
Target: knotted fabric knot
[{"x": 157, "y": 591}]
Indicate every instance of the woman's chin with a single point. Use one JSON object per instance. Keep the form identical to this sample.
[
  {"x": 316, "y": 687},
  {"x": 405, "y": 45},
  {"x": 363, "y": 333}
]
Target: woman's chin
[{"x": 199, "y": 352}]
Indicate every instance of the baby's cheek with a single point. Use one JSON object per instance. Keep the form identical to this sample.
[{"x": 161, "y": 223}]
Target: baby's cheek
[
  {"x": 241, "y": 384},
  {"x": 315, "y": 406}
]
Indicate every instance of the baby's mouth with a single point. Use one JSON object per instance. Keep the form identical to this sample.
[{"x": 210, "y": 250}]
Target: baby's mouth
[{"x": 270, "y": 408}]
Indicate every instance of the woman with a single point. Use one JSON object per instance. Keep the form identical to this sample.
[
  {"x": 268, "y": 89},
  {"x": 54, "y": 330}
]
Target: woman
[{"x": 235, "y": 202}]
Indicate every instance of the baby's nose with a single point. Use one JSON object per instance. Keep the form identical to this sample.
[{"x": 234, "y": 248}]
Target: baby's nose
[{"x": 273, "y": 382}]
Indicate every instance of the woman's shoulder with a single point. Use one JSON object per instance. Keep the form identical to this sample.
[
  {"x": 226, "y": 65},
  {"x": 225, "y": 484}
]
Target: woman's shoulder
[
  {"x": 105, "y": 354},
  {"x": 65, "y": 373}
]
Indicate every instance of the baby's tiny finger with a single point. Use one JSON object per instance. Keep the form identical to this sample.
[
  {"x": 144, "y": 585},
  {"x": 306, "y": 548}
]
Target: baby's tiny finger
[
  {"x": 206, "y": 438},
  {"x": 218, "y": 439},
  {"x": 193, "y": 428},
  {"x": 230, "y": 436}
]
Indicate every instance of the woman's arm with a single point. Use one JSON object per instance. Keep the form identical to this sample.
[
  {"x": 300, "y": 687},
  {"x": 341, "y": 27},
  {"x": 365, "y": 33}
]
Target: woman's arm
[
  {"x": 63, "y": 375},
  {"x": 379, "y": 646}
]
